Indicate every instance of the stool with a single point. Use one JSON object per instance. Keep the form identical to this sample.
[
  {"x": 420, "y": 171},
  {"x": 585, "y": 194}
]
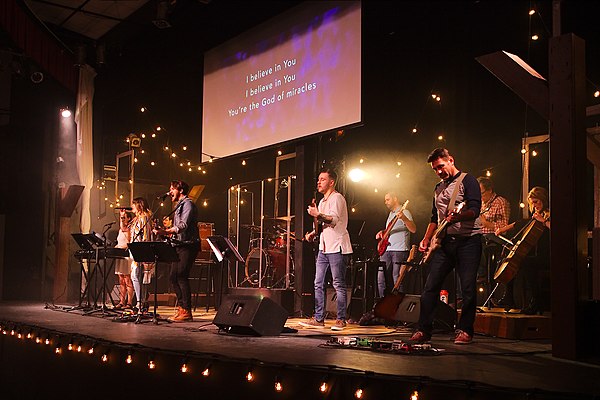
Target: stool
[{"x": 205, "y": 275}]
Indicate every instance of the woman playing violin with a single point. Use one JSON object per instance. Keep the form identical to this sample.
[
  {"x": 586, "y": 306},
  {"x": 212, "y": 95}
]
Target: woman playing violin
[{"x": 538, "y": 258}]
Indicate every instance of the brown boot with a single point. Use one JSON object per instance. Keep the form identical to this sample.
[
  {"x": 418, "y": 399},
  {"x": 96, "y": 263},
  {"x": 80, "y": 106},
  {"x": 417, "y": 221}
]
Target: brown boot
[
  {"x": 177, "y": 312},
  {"x": 183, "y": 316}
]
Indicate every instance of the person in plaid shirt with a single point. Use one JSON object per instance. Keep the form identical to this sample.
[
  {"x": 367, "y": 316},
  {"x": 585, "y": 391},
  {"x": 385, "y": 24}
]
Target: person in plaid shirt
[{"x": 495, "y": 214}]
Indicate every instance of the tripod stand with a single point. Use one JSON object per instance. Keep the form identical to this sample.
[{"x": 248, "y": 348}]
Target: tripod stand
[{"x": 152, "y": 252}]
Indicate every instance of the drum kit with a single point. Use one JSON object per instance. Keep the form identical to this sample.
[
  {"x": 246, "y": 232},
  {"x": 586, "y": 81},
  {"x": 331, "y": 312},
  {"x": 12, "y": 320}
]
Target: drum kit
[{"x": 266, "y": 265}]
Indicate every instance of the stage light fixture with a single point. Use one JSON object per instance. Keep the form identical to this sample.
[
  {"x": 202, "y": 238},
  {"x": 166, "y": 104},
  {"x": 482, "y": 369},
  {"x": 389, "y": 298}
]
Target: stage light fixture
[{"x": 65, "y": 112}]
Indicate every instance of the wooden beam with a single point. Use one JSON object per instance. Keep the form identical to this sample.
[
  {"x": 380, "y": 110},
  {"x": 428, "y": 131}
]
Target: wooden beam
[
  {"x": 568, "y": 240},
  {"x": 520, "y": 78}
]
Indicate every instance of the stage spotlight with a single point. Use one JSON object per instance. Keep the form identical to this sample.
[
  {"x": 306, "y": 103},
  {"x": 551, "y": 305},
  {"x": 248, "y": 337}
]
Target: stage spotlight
[
  {"x": 357, "y": 175},
  {"x": 65, "y": 112}
]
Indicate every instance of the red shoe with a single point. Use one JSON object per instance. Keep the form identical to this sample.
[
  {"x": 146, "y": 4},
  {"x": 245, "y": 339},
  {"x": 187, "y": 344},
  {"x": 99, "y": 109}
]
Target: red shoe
[
  {"x": 420, "y": 337},
  {"x": 462, "y": 337}
]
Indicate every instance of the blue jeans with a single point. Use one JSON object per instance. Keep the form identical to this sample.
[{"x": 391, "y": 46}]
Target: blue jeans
[
  {"x": 464, "y": 254},
  {"x": 387, "y": 274},
  {"x": 338, "y": 263}
]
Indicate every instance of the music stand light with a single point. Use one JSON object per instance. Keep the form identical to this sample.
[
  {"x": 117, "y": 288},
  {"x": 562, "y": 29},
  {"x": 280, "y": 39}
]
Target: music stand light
[
  {"x": 152, "y": 252},
  {"x": 223, "y": 248}
]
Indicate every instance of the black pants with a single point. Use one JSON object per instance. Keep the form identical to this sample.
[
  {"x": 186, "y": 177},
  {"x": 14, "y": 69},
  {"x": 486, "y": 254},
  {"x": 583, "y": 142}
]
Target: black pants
[{"x": 180, "y": 273}]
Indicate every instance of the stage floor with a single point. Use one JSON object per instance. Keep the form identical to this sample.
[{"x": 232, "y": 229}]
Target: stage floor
[{"x": 523, "y": 365}]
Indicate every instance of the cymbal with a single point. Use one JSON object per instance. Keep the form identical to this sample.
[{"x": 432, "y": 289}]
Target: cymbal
[
  {"x": 285, "y": 218},
  {"x": 251, "y": 227}
]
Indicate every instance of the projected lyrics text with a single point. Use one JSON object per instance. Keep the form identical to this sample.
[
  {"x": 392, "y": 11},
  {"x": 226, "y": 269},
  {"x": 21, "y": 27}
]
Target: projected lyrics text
[
  {"x": 268, "y": 100},
  {"x": 281, "y": 78}
]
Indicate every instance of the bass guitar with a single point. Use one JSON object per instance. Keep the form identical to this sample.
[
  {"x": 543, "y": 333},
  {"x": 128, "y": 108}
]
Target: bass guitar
[
  {"x": 436, "y": 240},
  {"x": 387, "y": 306},
  {"x": 384, "y": 241}
]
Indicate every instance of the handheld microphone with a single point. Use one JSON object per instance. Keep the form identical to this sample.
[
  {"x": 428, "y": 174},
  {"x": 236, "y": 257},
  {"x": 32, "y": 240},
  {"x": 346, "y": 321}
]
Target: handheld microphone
[
  {"x": 163, "y": 196},
  {"x": 123, "y": 208}
]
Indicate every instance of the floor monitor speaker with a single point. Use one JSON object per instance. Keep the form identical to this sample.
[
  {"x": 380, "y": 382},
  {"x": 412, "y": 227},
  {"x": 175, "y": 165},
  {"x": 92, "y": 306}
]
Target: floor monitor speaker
[
  {"x": 250, "y": 315},
  {"x": 409, "y": 309}
]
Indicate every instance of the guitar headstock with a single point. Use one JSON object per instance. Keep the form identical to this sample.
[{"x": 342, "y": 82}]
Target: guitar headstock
[{"x": 404, "y": 206}]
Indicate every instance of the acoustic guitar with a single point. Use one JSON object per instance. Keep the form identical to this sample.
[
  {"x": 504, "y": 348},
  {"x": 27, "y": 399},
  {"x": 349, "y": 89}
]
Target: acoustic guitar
[
  {"x": 384, "y": 241},
  {"x": 387, "y": 306},
  {"x": 436, "y": 240}
]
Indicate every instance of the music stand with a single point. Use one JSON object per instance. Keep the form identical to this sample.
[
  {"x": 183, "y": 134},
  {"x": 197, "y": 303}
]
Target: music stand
[
  {"x": 152, "y": 252},
  {"x": 223, "y": 249}
]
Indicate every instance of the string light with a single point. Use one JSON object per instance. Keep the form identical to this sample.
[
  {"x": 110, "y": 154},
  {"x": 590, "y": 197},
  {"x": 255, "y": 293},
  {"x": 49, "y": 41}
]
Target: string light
[
  {"x": 414, "y": 395},
  {"x": 531, "y": 12},
  {"x": 206, "y": 370},
  {"x": 597, "y": 93},
  {"x": 358, "y": 393},
  {"x": 249, "y": 375},
  {"x": 534, "y": 37},
  {"x": 129, "y": 358},
  {"x": 278, "y": 384}
]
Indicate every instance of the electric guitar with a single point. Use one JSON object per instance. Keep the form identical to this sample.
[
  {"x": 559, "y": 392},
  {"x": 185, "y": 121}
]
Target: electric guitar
[
  {"x": 436, "y": 240},
  {"x": 387, "y": 306},
  {"x": 384, "y": 241}
]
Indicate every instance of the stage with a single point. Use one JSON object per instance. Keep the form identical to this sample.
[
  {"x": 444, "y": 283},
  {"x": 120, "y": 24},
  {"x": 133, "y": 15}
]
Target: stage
[{"x": 371, "y": 358}]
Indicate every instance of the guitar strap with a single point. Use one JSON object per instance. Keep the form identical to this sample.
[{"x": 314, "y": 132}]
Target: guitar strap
[{"x": 455, "y": 191}]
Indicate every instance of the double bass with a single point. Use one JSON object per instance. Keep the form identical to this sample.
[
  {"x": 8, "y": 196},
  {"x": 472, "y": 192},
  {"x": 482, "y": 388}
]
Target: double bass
[{"x": 510, "y": 264}]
